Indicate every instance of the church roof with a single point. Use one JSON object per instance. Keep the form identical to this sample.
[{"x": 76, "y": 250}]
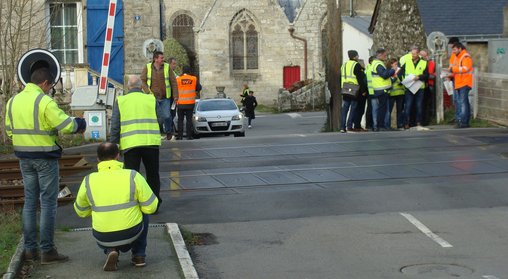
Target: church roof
[
  {"x": 290, "y": 8},
  {"x": 463, "y": 18}
]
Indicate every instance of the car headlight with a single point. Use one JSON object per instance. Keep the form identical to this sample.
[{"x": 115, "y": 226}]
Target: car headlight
[
  {"x": 237, "y": 117},
  {"x": 200, "y": 118}
]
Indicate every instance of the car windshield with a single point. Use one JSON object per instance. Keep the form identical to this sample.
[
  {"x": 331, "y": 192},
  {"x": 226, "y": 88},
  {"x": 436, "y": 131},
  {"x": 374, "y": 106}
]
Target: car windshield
[{"x": 216, "y": 105}]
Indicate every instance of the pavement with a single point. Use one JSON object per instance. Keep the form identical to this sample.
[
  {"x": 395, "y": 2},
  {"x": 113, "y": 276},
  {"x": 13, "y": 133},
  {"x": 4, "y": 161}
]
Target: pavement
[{"x": 86, "y": 259}]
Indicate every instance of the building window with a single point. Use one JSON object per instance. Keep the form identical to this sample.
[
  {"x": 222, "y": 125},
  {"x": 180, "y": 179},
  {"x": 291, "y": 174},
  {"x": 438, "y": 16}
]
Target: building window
[
  {"x": 66, "y": 32},
  {"x": 183, "y": 32},
  {"x": 244, "y": 42}
]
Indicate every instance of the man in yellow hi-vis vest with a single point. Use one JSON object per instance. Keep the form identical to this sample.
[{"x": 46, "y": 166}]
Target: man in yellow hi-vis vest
[
  {"x": 33, "y": 121},
  {"x": 134, "y": 126},
  {"x": 118, "y": 200},
  {"x": 159, "y": 80}
]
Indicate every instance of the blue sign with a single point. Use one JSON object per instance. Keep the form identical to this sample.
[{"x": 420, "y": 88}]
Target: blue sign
[{"x": 95, "y": 135}]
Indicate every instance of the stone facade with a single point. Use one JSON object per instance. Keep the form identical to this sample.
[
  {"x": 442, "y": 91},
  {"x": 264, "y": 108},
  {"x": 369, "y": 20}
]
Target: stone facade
[
  {"x": 398, "y": 27},
  {"x": 493, "y": 97}
]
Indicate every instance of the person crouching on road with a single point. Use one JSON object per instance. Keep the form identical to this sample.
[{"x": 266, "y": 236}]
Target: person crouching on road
[{"x": 118, "y": 200}]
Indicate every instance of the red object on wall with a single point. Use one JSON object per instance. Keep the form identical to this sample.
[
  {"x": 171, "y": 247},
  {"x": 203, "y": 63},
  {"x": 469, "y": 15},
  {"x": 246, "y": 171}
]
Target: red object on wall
[{"x": 291, "y": 75}]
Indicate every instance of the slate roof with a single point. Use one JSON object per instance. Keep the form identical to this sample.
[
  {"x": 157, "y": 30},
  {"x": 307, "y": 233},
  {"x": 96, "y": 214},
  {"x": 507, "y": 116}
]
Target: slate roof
[
  {"x": 360, "y": 23},
  {"x": 290, "y": 8},
  {"x": 463, "y": 17}
]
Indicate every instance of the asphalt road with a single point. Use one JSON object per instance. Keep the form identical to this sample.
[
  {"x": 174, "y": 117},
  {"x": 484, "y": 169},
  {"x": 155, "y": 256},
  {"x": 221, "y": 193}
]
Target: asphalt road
[{"x": 289, "y": 202}]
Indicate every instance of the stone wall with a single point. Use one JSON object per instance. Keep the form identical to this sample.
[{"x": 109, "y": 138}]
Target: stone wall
[
  {"x": 276, "y": 47},
  {"x": 493, "y": 97},
  {"x": 398, "y": 27},
  {"x": 137, "y": 31}
]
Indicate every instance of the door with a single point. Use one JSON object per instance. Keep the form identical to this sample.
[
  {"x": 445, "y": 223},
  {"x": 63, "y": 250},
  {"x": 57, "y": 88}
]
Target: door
[
  {"x": 291, "y": 75},
  {"x": 97, "y": 17}
]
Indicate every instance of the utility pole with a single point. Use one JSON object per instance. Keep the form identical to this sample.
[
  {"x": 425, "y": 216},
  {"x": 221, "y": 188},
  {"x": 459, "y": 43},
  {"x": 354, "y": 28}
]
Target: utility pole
[{"x": 334, "y": 60}]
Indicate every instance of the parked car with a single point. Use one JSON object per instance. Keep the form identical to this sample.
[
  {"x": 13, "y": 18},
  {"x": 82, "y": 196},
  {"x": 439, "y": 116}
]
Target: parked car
[{"x": 218, "y": 116}]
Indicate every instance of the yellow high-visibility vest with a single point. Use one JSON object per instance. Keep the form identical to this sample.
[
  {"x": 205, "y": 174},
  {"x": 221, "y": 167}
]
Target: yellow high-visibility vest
[
  {"x": 166, "y": 78},
  {"x": 379, "y": 83},
  {"x": 415, "y": 70},
  {"x": 33, "y": 120},
  {"x": 347, "y": 73},
  {"x": 115, "y": 197},
  {"x": 138, "y": 120}
]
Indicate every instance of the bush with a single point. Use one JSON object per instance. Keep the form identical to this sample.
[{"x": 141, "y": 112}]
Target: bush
[
  {"x": 172, "y": 48},
  {"x": 10, "y": 233}
]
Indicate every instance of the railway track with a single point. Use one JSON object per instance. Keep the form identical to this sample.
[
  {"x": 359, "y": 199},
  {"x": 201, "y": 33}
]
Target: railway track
[{"x": 11, "y": 182}]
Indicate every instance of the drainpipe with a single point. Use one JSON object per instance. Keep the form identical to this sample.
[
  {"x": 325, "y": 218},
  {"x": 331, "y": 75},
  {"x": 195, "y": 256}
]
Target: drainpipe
[
  {"x": 351, "y": 10},
  {"x": 291, "y": 32}
]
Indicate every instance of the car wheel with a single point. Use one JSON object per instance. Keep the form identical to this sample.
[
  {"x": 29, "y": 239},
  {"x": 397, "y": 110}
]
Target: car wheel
[{"x": 240, "y": 134}]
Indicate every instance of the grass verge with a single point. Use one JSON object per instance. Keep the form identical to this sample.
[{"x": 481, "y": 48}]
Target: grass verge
[{"x": 10, "y": 233}]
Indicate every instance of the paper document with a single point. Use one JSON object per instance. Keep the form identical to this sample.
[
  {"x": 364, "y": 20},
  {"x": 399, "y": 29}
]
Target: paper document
[
  {"x": 448, "y": 85},
  {"x": 411, "y": 84}
]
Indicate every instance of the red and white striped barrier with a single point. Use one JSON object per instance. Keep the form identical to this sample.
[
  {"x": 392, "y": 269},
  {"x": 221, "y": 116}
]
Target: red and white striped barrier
[{"x": 103, "y": 81}]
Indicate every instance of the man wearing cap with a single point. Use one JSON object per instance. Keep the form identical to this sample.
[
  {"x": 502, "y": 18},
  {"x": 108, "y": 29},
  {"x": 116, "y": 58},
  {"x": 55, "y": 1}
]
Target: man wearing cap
[
  {"x": 33, "y": 121},
  {"x": 351, "y": 72}
]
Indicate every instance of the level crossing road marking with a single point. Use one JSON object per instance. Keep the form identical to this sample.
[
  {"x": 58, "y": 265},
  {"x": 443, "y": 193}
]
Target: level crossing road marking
[
  {"x": 426, "y": 230},
  {"x": 489, "y": 277},
  {"x": 294, "y": 115}
]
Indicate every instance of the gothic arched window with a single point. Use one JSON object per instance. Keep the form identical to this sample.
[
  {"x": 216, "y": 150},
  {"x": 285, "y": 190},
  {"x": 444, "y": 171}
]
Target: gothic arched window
[{"x": 244, "y": 42}]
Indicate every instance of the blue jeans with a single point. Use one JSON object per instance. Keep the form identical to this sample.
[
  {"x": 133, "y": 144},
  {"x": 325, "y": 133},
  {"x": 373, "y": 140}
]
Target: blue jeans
[
  {"x": 40, "y": 180},
  {"x": 138, "y": 246},
  {"x": 398, "y": 102},
  {"x": 379, "y": 107},
  {"x": 346, "y": 104},
  {"x": 417, "y": 99},
  {"x": 164, "y": 115},
  {"x": 463, "y": 106}
]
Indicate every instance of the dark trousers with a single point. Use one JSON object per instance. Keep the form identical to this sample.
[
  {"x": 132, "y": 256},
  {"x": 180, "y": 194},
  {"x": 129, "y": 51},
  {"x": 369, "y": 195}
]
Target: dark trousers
[
  {"x": 360, "y": 110},
  {"x": 368, "y": 114},
  {"x": 187, "y": 112},
  {"x": 137, "y": 247},
  {"x": 150, "y": 156}
]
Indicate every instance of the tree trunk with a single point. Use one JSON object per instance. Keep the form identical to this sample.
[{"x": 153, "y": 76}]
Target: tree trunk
[{"x": 334, "y": 60}]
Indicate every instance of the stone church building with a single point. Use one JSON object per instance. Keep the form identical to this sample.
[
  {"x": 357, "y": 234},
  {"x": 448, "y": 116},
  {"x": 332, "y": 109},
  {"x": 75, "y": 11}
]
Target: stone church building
[{"x": 248, "y": 42}]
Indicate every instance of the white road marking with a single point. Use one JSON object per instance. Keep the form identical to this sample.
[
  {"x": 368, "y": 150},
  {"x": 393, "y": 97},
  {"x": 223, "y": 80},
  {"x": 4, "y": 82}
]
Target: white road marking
[
  {"x": 294, "y": 115},
  {"x": 489, "y": 277},
  {"x": 426, "y": 230}
]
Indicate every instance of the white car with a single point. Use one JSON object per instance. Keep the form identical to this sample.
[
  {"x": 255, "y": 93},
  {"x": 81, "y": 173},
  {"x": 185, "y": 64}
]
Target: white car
[{"x": 218, "y": 116}]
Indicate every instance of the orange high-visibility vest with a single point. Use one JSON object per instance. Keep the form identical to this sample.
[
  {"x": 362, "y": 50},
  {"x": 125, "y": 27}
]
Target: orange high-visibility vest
[
  {"x": 186, "y": 89},
  {"x": 463, "y": 70}
]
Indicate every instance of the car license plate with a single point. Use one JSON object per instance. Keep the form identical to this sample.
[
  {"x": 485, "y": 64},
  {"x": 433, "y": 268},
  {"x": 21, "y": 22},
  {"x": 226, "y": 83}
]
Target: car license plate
[{"x": 219, "y": 124}]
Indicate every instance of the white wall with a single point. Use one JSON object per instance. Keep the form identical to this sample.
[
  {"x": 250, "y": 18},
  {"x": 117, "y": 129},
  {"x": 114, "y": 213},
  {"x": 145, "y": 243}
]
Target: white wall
[{"x": 356, "y": 40}]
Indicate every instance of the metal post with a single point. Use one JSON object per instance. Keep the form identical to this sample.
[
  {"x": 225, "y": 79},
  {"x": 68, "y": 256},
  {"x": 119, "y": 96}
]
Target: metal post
[{"x": 439, "y": 88}]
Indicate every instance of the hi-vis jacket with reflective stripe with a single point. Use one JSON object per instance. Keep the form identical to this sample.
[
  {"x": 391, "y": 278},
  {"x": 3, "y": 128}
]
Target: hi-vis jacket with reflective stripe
[
  {"x": 115, "y": 197},
  {"x": 347, "y": 72},
  {"x": 138, "y": 120},
  {"x": 33, "y": 119},
  {"x": 368, "y": 74},
  {"x": 463, "y": 70},
  {"x": 397, "y": 88},
  {"x": 186, "y": 89},
  {"x": 166, "y": 78},
  {"x": 411, "y": 68},
  {"x": 378, "y": 82}
]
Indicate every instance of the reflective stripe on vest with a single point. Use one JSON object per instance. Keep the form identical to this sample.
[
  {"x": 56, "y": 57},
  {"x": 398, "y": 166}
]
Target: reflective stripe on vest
[
  {"x": 107, "y": 208},
  {"x": 24, "y": 139},
  {"x": 347, "y": 73},
  {"x": 379, "y": 83},
  {"x": 138, "y": 125},
  {"x": 166, "y": 78},
  {"x": 415, "y": 70},
  {"x": 461, "y": 68},
  {"x": 397, "y": 89},
  {"x": 186, "y": 89},
  {"x": 368, "y": 74}
]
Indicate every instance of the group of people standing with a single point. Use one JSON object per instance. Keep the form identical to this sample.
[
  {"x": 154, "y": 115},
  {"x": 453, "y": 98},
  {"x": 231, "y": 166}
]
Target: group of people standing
[
  {"x": 117, "y": 197},
  {"x": 407, "y": 84}
]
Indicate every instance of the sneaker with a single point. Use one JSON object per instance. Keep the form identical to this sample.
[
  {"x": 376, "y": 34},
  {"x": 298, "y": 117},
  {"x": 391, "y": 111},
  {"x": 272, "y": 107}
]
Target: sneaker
[
  {"x": 249, "y": 126},
  {"x": 52, "y": 256},
  {"x": 30, "y": 255},
  {"x": 169, "y": 136},
  {"x": 111, "y": 263},
  {"x": 138, "y": 261},
  {"x": 342, "y": 130}
]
